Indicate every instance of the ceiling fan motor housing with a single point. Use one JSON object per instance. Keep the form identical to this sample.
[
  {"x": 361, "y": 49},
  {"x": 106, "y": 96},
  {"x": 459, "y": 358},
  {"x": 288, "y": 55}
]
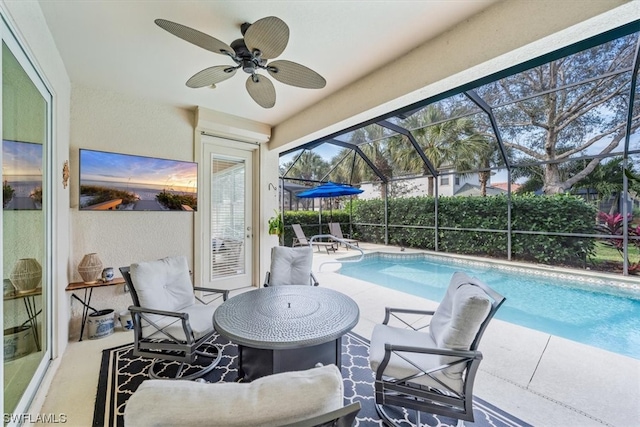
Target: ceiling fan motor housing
[{"x": 248, "y": 61}]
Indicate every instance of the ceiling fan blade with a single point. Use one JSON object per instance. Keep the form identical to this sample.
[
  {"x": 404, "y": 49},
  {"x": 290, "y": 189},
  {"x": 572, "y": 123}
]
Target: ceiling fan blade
[
  {"x": 270, "y": 35},
  {"x": 294, "y": 74},
  {"x": 212, "y": 75},
  {"x": 262, "y": 91},
  {"x": 196, "y": 37}
]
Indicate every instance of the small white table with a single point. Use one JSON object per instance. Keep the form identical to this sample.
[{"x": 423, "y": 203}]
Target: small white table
[{"x": 286, "y": 328}]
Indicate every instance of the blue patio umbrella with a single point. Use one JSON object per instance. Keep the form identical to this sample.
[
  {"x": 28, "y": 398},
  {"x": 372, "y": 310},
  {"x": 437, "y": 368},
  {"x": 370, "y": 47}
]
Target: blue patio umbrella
[{"x": 329, "y": 189}]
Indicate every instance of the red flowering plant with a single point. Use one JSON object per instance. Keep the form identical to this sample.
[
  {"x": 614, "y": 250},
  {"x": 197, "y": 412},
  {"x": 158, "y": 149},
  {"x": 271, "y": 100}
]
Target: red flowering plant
[{"x": 611, "y": 224}]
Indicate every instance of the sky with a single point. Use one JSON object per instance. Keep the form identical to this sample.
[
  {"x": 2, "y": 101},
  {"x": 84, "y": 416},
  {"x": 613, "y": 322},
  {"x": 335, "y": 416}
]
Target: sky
[
  {"x": 123, "y": 168},
  {"x": 21, "y": 158}
]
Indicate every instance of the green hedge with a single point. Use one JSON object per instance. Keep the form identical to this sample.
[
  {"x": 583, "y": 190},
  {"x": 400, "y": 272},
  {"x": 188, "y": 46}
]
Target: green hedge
[{"x": 558, "y": 214}]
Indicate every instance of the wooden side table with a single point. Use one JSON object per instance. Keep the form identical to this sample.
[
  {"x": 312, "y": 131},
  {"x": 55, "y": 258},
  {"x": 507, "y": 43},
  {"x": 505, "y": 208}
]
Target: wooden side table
[{"x": 88, "y": 292}]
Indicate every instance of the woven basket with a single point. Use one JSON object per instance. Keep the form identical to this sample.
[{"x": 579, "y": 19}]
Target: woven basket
[
  {"x": 26, "y": 275},
  {"x": 90, "y": 268}
]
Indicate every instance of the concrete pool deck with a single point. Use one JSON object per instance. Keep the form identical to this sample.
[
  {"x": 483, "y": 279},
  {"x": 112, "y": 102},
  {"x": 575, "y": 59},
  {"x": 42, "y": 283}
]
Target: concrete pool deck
[{"x": 543, "y": 379}]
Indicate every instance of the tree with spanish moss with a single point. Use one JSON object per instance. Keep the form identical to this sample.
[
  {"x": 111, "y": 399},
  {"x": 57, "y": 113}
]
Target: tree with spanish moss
[{"x": 566, "y": 108}]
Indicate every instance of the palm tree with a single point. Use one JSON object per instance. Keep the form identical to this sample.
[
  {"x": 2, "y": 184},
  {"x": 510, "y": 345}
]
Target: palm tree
[
  {"x": 342, "y": 167},
  {"x": 308, "y": 166},
  {"x": 606, "y": 180},
  {"x": 456, "y": 143},
  {"x": 373, "y": 142}
]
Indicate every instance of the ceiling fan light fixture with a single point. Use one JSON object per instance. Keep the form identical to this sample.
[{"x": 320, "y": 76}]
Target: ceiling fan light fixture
[{"x": 248, "y": 66}]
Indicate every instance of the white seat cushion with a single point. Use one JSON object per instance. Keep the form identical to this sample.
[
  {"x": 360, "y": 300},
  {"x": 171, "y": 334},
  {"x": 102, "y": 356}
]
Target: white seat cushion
[
  {"x": 290, "y": 266},
  {"x": 400, "y": 368},
  {"x": 200, "y": 320},
  {"x": 269, "y": 401}
]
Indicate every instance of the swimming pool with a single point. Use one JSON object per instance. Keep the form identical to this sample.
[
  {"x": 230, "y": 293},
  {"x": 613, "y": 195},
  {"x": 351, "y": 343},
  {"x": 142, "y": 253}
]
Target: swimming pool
[{"x": 596, "y": 314}]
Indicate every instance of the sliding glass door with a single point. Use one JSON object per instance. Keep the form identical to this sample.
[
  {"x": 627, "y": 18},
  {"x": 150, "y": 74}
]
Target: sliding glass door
[{"x": 26, "y": 213}]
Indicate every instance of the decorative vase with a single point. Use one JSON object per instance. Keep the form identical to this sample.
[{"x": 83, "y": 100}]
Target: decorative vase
[
  {"x": 107, "y": 274},
  {"x": 26, "y": 275},
  {"x": 90, "y": 268}
]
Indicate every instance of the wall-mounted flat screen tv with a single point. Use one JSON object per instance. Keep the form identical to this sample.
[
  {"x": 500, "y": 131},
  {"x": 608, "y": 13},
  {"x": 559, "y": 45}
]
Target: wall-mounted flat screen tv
[
  {"x": 21, "y": 175},
  {"x": 123, "y": 182}
]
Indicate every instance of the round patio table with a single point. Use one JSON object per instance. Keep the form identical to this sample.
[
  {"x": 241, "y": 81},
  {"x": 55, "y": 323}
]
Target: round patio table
[{"x": 286, "y": 328}]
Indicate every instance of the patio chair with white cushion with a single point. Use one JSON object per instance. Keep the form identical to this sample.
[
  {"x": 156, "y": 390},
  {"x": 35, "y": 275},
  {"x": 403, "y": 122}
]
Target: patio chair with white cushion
[
  {"x": 290, "y": 266},
  {"x": 312, "y": 397},
  {"x": 301, "y": 240},
  {"x": 432, "y": 368},
  {"x": 171, "y": 324},
  {"x": 336, "y": 230}
]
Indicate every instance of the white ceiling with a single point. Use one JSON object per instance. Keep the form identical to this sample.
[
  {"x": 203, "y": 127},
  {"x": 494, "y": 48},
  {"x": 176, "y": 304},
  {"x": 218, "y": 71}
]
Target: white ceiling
[{"x": 115, "y": 45}]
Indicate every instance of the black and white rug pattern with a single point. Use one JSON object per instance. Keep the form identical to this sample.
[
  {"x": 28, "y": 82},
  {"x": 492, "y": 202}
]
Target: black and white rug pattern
[{"x": 121, "y": 373}]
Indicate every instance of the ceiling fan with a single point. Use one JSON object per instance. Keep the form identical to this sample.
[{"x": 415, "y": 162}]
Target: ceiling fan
[{"x": 263, "y": 40}]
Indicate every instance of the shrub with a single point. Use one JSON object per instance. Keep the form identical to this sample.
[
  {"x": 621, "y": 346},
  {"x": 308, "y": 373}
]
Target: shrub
[
  {"x": 7, "y": 193},
  {"x": 487, "y": 217},
  {"x": 101, "y": 194},
  {"x": 176, "y": 201}
]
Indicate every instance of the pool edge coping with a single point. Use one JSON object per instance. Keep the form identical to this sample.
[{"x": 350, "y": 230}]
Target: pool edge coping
[{"x": 625, "y": 283}]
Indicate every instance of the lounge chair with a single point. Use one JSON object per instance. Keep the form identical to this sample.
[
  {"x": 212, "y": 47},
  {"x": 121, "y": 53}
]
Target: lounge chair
[
  {"x": 335, "y": 230},
  {"x": 301, "y": 240}
]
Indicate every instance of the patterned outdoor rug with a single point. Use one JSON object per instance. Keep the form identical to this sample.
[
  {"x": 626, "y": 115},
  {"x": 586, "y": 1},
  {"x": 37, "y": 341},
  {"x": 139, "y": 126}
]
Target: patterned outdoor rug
[{"x": 121, "y": 373}]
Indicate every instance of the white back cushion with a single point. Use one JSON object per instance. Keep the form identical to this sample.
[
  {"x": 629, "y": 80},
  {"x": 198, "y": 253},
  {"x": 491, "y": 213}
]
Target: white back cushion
[
  {"x": 273, "y": 400},
  {"x": 457, "y": 320},
  {"x": 290, "y": 266},
  {"x": 163, "y": 284}
]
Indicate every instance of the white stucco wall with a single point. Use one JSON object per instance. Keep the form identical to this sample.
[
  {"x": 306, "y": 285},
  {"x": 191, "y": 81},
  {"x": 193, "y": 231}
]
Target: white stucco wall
[{"x": 108, "y": 121}]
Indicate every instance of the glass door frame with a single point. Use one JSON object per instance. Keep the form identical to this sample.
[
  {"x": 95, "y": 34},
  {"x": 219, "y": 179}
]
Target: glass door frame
[
  {"x": 211, "y": 150},
  {"x": 11, "y": 38},
  {"x": 205, "y": 142}
]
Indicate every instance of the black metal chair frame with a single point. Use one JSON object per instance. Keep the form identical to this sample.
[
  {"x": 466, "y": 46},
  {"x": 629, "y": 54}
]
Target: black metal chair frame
[
  {"x": 445, "y": 401},
  {"x": 166, "y": 347},
  {"x": 343, "y": 417},
  {"x": 313, "y": 281}
]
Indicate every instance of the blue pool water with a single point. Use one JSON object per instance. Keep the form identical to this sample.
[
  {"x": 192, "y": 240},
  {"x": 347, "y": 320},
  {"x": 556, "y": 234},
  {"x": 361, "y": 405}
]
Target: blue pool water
[{"x": 597, "y": 315}]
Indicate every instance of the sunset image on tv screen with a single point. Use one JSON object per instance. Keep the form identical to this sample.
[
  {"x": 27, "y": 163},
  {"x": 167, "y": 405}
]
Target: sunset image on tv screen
[{"x": 113, "y": 181}]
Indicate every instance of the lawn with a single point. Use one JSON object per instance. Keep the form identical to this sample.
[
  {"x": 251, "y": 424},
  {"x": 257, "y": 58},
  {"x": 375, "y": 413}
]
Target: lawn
[{"x": 608, "y": 258}]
